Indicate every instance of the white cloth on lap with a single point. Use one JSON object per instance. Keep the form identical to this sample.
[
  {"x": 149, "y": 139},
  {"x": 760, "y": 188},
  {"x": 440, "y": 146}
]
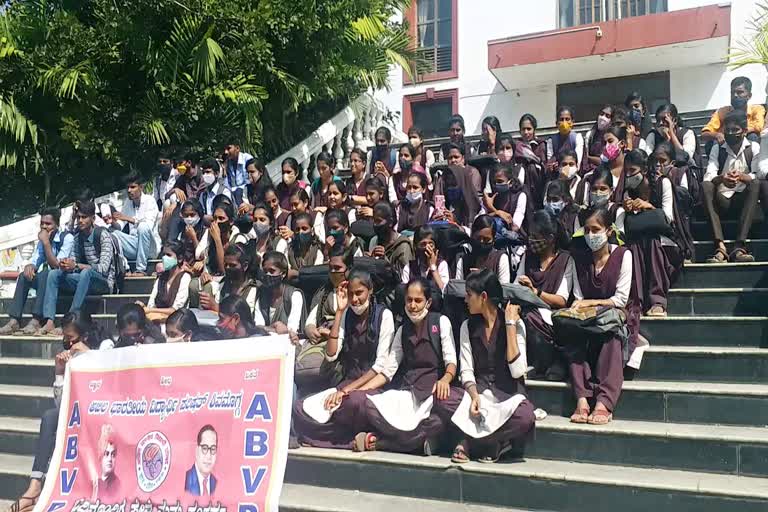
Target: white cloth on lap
[
  {"x": 400, "y": 408},
  {"x": 493, "y": 414},
  {"x": 314, "y": 406}
]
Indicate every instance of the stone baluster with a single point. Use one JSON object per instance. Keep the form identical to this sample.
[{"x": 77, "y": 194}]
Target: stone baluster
[
  {"x": 378, "y": 115},
  {"x": 350, "y": 141},
  {"x": 366, "y": 127},
  {"x": 338, "y": 149},
  {"x": 357, "y": 136}
]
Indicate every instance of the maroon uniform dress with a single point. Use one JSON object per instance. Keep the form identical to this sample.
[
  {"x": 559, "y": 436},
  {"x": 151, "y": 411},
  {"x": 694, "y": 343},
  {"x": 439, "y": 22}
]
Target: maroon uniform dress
[
  {"x": 596, "y": 364},
  {"x": 411, "y": 216}
]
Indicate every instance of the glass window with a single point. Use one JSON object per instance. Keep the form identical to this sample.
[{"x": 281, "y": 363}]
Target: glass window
[
  {"x": 583, "y": 12},
  {"x": 435, "y": 34},
  {"x": 430, "y": 116}
]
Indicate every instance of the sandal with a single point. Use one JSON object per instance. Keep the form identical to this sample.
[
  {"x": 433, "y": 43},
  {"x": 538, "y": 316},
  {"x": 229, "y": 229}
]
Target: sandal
[
  {"x": 580, "y": 415},
  {"x": 460, "y": 455},
  {"x": 600, "y": 417},
  {"x": 720, "y": 256},
  {"x": 32, "y": 328},
  {"x": 656, "y": 311},
  {"x": 741, "y": 255},
  {"x": 364, "y": 442},
  {"x": 16, "y": 507}
]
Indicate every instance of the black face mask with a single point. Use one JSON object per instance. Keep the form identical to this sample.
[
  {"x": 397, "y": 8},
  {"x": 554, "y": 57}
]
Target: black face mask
[
  {"x": 481, "y": 248},
  {"x": 165, "y": 171},
  {"x": 734, "y": 139},
  {"x": 381, "y": 230},
  {"x": 236, "y": 275},
  {"x": 129, "y": 341},
  {"x": 270, "y": 281}
]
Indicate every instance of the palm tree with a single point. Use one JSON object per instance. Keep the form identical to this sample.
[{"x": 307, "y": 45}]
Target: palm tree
[{"x": 753, "y": 49}]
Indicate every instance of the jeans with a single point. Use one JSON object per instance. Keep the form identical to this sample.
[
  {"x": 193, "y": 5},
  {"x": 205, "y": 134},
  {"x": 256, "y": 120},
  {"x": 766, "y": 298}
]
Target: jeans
[
  {"x": 23, "y": 286},
  {"x": 45, "y": 443},
  {"x": 139, "y": 247},
  {"x": 82, "y": 283}
]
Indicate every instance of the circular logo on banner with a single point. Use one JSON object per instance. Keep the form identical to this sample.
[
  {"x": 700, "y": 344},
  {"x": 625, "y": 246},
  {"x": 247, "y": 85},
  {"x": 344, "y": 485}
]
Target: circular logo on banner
[{"x": 153, "y": 460}]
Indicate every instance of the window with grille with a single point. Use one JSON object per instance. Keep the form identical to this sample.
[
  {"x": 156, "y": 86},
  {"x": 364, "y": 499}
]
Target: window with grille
[
  {"x": 434, "y": 35},
  {"x": 583, "y": 12}
]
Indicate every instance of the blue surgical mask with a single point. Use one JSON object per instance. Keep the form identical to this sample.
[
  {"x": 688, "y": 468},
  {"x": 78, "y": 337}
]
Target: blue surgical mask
[
  {"x": 169, "y": 263},
  {"x": 555, "y": 206}
]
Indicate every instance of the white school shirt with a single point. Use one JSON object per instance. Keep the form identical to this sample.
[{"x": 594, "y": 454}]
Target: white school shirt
[
  {"x": 384, "y": 363},
  {"x": 250, "y": 299},
  {"x": 145, "y": 213},
  {"x": 564, "y": 289},
  {"x": 518, "y": 216},
  {"x": 312, "y": 316},
  {"x": 733, "y": 161},
  {"x": 182, "y": 295},
  {"x": 503, "y": 275},
  {"x": 623, "y": 284},
  {"x": 448, "y": 348},
  {"x": 294, "y": 318},
  {"x": 206, "y": 196},
  {"x": 688, "y": 142},
  {"x": 442, "y": 269},
  {"x": 517, "y": 368},
  {"x": 762, "y": 157}
]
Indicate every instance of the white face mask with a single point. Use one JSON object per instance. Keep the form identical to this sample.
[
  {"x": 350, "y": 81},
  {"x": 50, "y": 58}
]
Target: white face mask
[
  {"x": 208, "y": 179},
  {"x": 415, "y": 141},
  {"x": 192, "y": 221},
  {"x": 180, "y": 339},
  {"x": 596, "y": 241},
  {"x": 359, "y": 310},
  {"x": 568, "y": 170},
  {"x": 413, "y": 197},
  {"x": 419, "y": 316}
]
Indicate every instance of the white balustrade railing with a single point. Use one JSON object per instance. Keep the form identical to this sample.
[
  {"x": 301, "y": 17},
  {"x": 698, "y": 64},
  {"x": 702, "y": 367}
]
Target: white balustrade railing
[{"x": 353, "y": 127}]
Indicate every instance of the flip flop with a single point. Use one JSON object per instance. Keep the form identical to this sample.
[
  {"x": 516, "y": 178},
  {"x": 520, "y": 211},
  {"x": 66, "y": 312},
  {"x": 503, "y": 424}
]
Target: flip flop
[
  {"x": 459, "y": 455},
  {"x": 363, "y": 442},
  {"x": 600, "y": 417},
  {"x": 580, "y": 415}
]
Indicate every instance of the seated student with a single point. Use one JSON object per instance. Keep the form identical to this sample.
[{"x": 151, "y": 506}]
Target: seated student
[
  {"x": 427, "y": 262},
  {"x": 171, "y": 289},
  {"x": 507, "y": 201},
  {"x": 80, "y": 335},
  {"x": 601, "y": 194},
  {"x": 140, "y": 215},
  {"x": 456, "y": 133},
  {"x": 338, "y": 235},
  {"x": 382, "y": 159},
  {"x": 374, "y": 193},
  {"x": 90, "y": 272},
  {"x": 53, "y": 246},
  {"x": 662, "y": 162},
  {"x": 637, "y": 113},
  {"x": 186, "y": 186},
  {"x": 558, "y": 201},
  {"x": 221, "y": 233},
  {"x": 326, "y": 166},
  {"x": 236, "y": 175},
  {"x": 730, "y": 183},
  {"x": 741, "y": 93},
  {"x": 133, "y": 328},
  {"x": 629, "y": 120},
  {"x": 278, "y": 213},
  {"x": 355, "y": 185},
  {"x": 182, "y": 327},
  {"x": 195, "y": 239},
  {"x": 615, "y": 148},
  {"x": 236, "y": 319},
  {"x": 86, "y": 196},
  {"x": 241, "y": 265},
  {"x": 300, "y": 202},
  {"x": 401, "y": 418},
  {"x": 567, "y": 161},
  {"x": 490, "y": 133},
  {"x": 656, "y": 260},
  {"x": 386, "y": 243},
  {"x": 360, "y": 341},
  {"x": 459, "y": 186},
  {"x": 603, "y": 278},
  {"x": 214, "y": 187},
  {"x": 528, "y": 125},
  {"x": 264, "y": 229},
  {"x": 670, "y": 128},
  {"x": 414, "y": 210},
  {"x": 493, "y": 365},
  {"x": 593, "y": 140},
  {"x": 280, "y": 306},
  {"x": 424, "y": 156},
  {"x": 293, "y": 181},
  {"x": 406, "y": 165},
  {"x": 337, "y": 197},
  {"x": 304, "y": 249},
  {"x": 258, "y": 182},
  {"x": 566, "y": 138},
  {"x": 483, "y": 255},
  {"x": 322, "y": 310},
  {"x": 531, "y": 173},
  {"x": 548, "y": 270}
]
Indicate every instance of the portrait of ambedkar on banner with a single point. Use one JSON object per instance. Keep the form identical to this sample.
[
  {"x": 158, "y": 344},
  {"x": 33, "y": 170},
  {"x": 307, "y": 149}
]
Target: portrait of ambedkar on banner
[{"x": 200, "y": 480}]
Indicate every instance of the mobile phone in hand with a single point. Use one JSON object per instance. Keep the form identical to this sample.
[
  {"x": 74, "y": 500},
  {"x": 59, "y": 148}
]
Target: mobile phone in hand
[{"x": 439, "y": 204}]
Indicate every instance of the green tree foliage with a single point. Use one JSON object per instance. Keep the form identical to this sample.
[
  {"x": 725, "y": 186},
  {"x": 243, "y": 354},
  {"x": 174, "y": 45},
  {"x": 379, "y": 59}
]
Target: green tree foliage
[{"x": 90, "y": 88}]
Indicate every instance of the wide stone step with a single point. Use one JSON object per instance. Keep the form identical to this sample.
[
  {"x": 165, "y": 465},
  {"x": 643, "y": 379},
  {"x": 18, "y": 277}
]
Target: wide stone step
[
  {"x": 535, "y": 484},
  {"x": 14, "y": 475},
  {"x": 706, "y": 248},
  {"x": 707, "y": 448},
  {"x": 95, "y": 304},
  {"x": 105, "y": 321},
  {"x": 701, "y": 230},
  {"x": 718, "y": 301},
  {"x": 18, "y": 436},
  {"x": 26, "y": 371},
  {"x": 731, "y": 331},
  {"x": 44, "y": 347},
  {"x": 138, "y": 285},
  {"x": 724, "y": 275},
  {"x": 711, "y": 364},
  {"x": 25, "y": 401},
  {"x": 668, "y": 401}
]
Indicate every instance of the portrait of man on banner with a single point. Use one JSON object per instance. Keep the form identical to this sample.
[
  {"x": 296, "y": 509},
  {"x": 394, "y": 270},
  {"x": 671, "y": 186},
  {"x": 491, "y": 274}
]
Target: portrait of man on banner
[
  {"x": 106, "y": 487},
  {"x": 200, "y": 480}
]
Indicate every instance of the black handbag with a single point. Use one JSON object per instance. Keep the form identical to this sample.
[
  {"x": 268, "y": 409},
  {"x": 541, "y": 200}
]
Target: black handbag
[{"x": 647, "y": 224}]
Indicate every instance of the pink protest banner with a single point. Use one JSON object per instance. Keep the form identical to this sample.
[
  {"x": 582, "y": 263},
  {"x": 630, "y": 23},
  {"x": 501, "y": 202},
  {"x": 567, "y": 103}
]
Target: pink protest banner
[{"x": 176, "y": 427}]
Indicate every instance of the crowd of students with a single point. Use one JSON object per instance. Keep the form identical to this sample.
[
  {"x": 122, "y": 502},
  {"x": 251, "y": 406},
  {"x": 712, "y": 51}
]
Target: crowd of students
[{"x": 410, "y": 336}]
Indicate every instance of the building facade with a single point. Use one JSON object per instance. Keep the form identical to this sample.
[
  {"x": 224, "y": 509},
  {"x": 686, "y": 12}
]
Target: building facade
[{"x": 509, "y": 57}]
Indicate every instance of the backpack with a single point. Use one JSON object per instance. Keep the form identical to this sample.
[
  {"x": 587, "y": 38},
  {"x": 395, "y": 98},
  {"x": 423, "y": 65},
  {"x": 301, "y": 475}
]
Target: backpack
[
  {"x": 118, "y": 259},
  {"x": 382, "y": 274}
]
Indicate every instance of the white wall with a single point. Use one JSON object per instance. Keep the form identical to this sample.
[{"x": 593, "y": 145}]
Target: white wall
[{"x": 480, "y": 94}]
